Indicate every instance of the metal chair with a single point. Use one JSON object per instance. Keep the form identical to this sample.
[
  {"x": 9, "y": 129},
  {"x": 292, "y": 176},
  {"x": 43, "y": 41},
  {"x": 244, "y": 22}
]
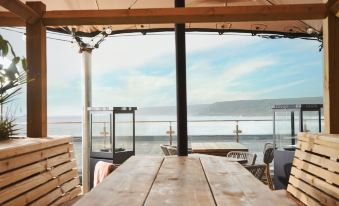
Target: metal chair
[
  {"x": 164, "y": 149},
  {"x": 268, "y": 158},
  {"x": 250, "y": 157},
  {"x": 257, "y": 170}
]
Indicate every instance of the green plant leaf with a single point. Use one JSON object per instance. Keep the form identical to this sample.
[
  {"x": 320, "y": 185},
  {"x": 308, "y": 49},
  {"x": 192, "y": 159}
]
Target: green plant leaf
[
  {"x": 15, "y": 60},
  {"x": 24, "y": 63}
]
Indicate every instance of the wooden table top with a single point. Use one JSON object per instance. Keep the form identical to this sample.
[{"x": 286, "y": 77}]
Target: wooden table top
[
  {"x": 215, "y": 147},
  {"x": 172, "y": 180}
]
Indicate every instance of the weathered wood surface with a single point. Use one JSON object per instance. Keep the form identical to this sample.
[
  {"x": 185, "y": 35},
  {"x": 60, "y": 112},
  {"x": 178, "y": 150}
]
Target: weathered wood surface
[
  {"x": 37, "y": 171},
  {"x": 217, "y": 148},
  {"x": 15, "y": 147},
  {"x": 171, "y": 180},
  {"x": 314, "y": 176}
]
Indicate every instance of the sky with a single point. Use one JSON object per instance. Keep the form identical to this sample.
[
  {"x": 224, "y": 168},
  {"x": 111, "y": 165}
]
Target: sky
[{"x": 139, "y": 70}]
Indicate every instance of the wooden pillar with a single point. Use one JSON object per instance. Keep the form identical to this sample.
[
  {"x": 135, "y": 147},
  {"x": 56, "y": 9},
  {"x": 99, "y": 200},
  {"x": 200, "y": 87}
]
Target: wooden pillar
[
  {"x": 36, "y": 64},
  {"x": 180, "y": 49},
  {"x": 331, "y": 72}
]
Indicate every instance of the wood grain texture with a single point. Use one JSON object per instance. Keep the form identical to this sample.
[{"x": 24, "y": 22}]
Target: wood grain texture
[
  {"x": 129, "y": 184},
  {"x": 37, "y": 67},
  {"x": 186, "y": 15},
  {"x": 180, "y": 181},
  {"x": 331, "y": 71},
  {"x": 217, "y": 148},
  {"x": 314, "y": 176},
  {"x": 15, "y": 147},
  {"x": 18, "y": 8},
  {"x": 232, "y": 184},
  {"x": 38, "y": 171}
]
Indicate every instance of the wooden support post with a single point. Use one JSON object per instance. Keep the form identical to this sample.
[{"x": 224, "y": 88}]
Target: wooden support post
[
  {"x": 331, "y": 71},
  {"x": 36, "y": 64},
  {"x": 180, "y": 49}
]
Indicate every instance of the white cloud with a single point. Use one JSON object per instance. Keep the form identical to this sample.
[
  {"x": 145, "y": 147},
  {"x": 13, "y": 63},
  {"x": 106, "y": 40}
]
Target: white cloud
[{"x": 207, "y": 87}]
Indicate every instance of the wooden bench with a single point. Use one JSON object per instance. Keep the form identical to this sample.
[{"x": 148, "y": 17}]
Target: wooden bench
[
  {"x": 39, "y": 171},
  {"x": 314, "y": 178}
]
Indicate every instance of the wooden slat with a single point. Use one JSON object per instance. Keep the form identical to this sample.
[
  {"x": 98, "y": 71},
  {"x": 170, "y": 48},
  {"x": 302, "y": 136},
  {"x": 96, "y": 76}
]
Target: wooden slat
[
  {"x": 25, "y": 185},
  {"x": 315, "y": 181},
  {"x": 67, "y": 197},
  {"x": 328, "y": 141},
  {"x": 186, "y": 15},
  {"x": 27, "y": 171},
  {"x": 302, "y": 196},
  {"x": 312, "y": 191},
  {"x": 63, "y": 168},
  {"x": 22, "y": 160},
  {"x": 70, "y": 185},
  {"x": 318, "y": 160},
  {"x": 232, "y": 184},
  {"x": 330, "y": 177},
  {"x": 48, "y": 198},
  {"x": 33, "y": 194},
  {"x": 21, "y": 10},
  {"x": 319, "y": 149},
  {"x": 180, "y": 180},
  {"x": 127, "y": 185},
  {"x": 56, "y": 193},
  {"x": 42, "y": 189},
  {"x": 15, "y": 147}
]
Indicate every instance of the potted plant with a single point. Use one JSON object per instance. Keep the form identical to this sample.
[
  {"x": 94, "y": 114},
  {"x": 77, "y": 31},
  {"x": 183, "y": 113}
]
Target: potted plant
[{"x": 11, "y": 81}]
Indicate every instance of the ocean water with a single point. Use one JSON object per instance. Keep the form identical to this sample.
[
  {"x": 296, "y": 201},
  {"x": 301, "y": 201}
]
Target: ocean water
[{"x": 152, "y": 130}]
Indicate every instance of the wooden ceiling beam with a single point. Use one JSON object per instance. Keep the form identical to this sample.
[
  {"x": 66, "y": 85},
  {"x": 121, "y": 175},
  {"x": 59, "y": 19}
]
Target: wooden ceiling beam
[
  {"x": 335, "y": 8},
  {"x": 175, "y": 15},
  {"x": 186, "y": 15},
  {"x": 21, "y": 10},
  {"x": 9, "y": 19}
]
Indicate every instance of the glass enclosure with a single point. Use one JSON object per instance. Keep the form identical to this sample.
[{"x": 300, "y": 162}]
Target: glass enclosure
[
  {"x": 289, "y": 119},
  {"x": 112, "y": 133}
]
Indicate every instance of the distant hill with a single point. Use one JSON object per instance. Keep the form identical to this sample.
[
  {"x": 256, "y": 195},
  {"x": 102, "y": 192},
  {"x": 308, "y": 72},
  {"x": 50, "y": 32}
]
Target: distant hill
[{"x": 261, "y": 107}]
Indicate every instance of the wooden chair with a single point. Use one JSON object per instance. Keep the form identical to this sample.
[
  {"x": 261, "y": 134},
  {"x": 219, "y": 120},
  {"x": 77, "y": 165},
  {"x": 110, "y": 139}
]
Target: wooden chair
[
  {"x": 164, "y": 149},
  {"x": 250, "y": 157},
  {"x": 314, "y": 175},
  {"x": 268, "y": 158},
  {"x": 257, "y": 170}
]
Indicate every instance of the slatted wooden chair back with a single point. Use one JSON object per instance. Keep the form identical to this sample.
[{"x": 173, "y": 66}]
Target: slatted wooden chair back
[
  {"x": 39, "y": 172},
  {"x": 257, "y": 170},
  {"x": 164, "y": 150},
  {"x": 268, "y": 153},
  {"x": 250, "y": 157},
  {"x": 267, "y": 159},
  {"x": 314, "y": 178}
]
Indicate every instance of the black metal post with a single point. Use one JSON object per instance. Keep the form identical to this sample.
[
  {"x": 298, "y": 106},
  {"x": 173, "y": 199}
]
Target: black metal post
[
  {"x": 180, "y": 50},
  {"x": 301, "y": 121},
  {"x": 292, "y": 129},
  {"x": 319, "y": 119}
]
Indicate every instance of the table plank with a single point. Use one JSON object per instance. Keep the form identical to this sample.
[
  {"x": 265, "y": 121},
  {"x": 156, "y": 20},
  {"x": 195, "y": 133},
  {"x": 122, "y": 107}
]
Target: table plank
[
  {"x": 180, "y": 181},
  {"x": 129, "y": 184},
  {"x": 232, "y": 184},
  {"x": 217, "y": 148}
]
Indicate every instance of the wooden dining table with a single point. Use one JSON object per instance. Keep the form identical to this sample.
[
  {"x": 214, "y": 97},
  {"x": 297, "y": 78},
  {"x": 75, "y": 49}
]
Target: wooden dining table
[
  {"x": 217, "y": 148},
  {"x": 172, "y": 180}
]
